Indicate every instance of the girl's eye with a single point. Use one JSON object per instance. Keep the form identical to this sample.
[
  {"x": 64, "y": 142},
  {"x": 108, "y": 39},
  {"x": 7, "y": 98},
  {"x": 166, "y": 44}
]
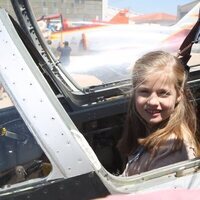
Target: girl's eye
[
  {"x": 143, "y": 92},
  {"x": 164, "y": 93}
]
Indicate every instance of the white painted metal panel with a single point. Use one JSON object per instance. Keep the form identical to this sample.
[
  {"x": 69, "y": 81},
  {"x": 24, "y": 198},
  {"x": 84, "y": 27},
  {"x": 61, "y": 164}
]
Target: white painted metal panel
[{"x": 38, "y": 105}]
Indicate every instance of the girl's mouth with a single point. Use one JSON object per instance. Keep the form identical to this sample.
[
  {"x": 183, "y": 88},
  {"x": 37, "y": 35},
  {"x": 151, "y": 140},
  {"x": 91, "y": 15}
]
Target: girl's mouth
[{"x": 153, "y": 111}]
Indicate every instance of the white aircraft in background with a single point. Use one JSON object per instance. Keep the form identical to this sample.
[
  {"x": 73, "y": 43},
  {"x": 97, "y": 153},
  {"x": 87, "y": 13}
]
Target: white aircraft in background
[
  {"x": 114, "y": 47},
  {"x": 106, "y": 37}
]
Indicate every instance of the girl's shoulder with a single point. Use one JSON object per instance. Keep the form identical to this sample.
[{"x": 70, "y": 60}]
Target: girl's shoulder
[{"x": 188, "y": 146}]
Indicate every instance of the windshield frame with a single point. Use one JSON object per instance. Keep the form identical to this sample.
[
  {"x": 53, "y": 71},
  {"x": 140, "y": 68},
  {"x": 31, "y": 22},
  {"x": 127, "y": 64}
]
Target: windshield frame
[{"x": 60, "y": 79}]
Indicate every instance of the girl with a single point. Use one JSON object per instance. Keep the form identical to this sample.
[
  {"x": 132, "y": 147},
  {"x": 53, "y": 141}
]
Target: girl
[{"x": 161, "y": 121}]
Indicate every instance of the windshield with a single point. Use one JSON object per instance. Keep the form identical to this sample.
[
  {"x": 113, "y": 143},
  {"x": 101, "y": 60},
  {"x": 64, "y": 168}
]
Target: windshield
[{"x": 97, "y": 42}]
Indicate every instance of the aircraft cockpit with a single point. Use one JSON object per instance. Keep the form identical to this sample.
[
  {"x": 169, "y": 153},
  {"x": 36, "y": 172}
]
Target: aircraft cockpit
[{"x": 60, "y": 121}]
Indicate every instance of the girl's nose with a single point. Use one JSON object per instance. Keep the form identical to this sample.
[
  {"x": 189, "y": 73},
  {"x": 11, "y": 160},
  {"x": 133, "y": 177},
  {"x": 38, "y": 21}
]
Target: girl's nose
[{"x": 153, "y": 100}]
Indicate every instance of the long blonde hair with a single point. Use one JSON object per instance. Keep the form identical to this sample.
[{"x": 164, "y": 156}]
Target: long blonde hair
[{"x": 182, "y": 122}]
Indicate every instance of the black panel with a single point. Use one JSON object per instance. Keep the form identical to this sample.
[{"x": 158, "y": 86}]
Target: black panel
[{"x": 83, "y": 187}]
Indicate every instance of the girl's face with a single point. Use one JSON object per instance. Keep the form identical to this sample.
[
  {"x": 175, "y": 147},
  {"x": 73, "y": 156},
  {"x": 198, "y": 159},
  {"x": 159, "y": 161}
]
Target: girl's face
[{"x": 155, "y": 99}]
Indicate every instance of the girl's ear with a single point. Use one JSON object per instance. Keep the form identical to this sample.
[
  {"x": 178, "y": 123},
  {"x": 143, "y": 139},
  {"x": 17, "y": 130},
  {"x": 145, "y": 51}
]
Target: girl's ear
[{"x": 179, "y": 97}]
